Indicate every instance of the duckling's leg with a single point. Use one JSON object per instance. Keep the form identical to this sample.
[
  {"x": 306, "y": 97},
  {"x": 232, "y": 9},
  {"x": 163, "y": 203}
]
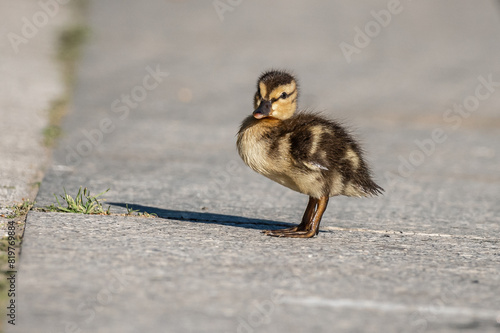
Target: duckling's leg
[
  {"x": 306, "y": 219},
  {"x": 312, "y": 228},
  {"x": 308, "y": 214}
]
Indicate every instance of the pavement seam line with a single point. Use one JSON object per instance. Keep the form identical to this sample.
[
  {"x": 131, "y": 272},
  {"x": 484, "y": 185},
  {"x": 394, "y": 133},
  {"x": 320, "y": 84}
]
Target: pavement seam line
[
  {"x": 363, "y": 304},
  {"x": 402, "y": 233}
]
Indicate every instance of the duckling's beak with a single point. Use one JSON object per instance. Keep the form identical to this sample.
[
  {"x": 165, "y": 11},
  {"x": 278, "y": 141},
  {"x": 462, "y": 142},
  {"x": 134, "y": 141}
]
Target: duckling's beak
[{"x": 263, "y": 110}]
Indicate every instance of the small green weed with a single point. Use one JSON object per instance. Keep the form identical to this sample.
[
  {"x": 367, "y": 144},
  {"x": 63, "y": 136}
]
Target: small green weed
[
  {"x": 131, "y": 212},
  {"x": 70, "y": 42},
  {"x": 83, "y": 203},
  {"x": 53, "y": 130},
  {"x": 20, "y": 209},
  {"x": 146, "y": 214},
  {"x": 69, "y": 49}
]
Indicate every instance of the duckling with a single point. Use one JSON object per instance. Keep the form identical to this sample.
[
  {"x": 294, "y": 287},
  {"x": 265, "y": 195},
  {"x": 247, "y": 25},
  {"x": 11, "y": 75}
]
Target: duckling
[{"x": 303, "y": 151}]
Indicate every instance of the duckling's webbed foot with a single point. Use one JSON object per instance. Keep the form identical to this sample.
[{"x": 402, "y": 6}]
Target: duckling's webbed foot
[
  {"x": 280, "y": 231},
  {"x": 309, "y": 227},
  {"x": 306, "y": 219},
  {"x": 297, "y": 234}
]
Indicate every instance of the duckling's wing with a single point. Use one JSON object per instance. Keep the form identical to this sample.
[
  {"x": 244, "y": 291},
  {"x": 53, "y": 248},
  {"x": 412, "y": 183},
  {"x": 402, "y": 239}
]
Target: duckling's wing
[
  {"x": 308, "y": 135},
  {"x": 315, "y": 165}
]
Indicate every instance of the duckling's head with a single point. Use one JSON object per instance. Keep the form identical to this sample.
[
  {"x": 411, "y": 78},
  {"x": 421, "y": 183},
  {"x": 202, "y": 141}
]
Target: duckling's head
[{"x": 276, "y": 95}]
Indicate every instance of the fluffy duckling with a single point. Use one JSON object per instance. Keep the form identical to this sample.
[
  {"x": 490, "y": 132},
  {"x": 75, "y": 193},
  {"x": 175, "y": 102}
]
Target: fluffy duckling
[{"x": 304, "y": 152}]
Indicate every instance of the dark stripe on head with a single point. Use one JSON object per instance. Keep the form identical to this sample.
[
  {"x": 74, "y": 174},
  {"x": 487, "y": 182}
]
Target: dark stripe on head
[{"x": 275, "y": 78}]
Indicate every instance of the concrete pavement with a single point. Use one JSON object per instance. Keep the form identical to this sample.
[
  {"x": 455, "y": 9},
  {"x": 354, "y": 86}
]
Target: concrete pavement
[
  {"x": 30, "y": 81},
  {"x": 160, "y": 92}
]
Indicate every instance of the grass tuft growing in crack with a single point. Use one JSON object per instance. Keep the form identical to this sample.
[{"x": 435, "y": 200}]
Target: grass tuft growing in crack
[
  {"x": 85, "y": 203},
  {"x": 71, "y": 41},
  {"x": 53, "y": 130},
  {"x": 82, "y": 203},
  {"x": 131, "y": 212},
  {"x": 20, "y": 209}
]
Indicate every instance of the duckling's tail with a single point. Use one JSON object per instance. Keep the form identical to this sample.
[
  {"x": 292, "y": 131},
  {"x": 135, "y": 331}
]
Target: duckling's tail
[{"x": 371, "y": 188}]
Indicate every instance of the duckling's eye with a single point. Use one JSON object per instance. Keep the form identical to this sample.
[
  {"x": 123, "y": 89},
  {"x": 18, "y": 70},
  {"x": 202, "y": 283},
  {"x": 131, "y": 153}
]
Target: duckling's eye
[{"x": 283, "y": 95}]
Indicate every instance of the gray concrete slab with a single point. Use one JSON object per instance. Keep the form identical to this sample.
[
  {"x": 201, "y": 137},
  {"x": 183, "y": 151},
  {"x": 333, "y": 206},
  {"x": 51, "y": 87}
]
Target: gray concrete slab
[
  {"x": 30, "y": 82},
  {"x": 422, "y": 258},
  {"x": 115, "y": 274}
]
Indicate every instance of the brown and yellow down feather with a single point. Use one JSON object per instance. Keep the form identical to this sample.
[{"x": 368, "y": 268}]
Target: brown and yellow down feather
[{"x": 307, "y": 153}]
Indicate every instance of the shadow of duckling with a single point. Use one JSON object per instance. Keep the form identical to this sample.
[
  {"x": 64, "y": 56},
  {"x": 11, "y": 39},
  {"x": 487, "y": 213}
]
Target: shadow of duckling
[{"x": 200, "y": 217}]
